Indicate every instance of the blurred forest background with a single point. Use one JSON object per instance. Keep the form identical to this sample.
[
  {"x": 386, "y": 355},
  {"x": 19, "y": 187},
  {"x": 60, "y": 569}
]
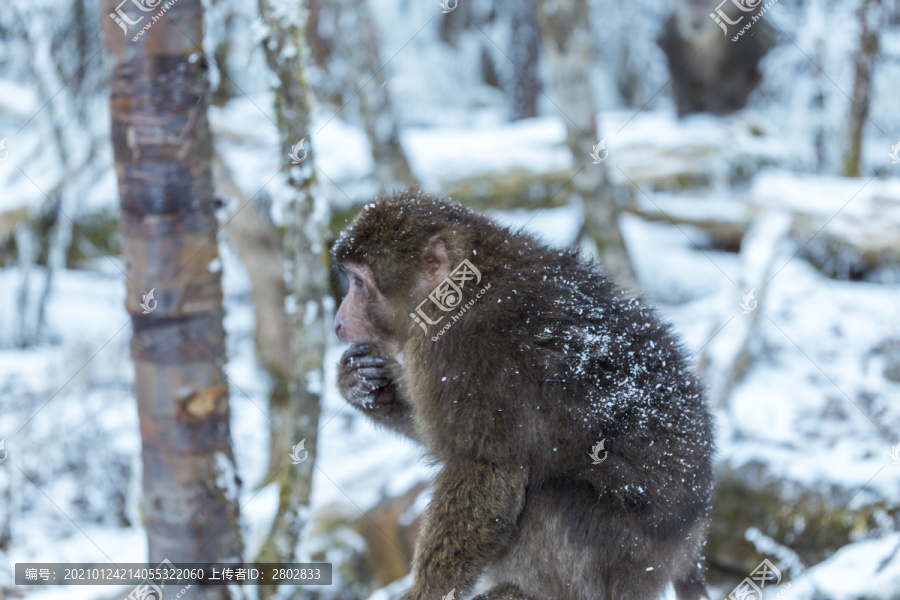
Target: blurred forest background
[{"x": 749, "y": 189}]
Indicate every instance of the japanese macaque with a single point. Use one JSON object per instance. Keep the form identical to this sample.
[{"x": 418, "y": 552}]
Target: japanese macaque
[
  {"x": 710, "y": 72},
  {"x": 573, "y": 439}
]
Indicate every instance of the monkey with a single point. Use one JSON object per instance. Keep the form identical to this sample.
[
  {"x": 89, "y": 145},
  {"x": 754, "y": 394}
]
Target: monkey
[
  {"x": 573, "y": 441},
  {"x": 710, "y": 72}
]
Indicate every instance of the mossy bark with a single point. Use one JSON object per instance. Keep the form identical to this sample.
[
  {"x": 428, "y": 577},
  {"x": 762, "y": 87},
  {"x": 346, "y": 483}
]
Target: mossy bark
[{"x": 308, "y": 284}]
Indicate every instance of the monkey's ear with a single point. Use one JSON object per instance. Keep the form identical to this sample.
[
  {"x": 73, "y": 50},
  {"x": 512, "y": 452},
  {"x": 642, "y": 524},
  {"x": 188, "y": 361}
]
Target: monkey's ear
[{"x": 436, "y": 261}]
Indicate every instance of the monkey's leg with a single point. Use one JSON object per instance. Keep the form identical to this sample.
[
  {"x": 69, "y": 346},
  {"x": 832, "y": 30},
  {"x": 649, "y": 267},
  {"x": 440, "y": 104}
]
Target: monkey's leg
[
  {"x": 506, "y": 591},
  {"x": 570, "y": 545},
  {"x": 469, "y": 522}
]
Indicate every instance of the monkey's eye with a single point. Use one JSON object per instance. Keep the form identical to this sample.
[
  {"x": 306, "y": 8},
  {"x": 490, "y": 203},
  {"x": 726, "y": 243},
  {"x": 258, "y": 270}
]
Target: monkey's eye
[{"x": 357, "y": 280}]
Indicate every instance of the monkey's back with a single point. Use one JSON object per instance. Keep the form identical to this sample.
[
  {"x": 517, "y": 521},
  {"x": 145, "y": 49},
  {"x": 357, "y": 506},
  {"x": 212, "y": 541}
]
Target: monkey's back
[
  {"x": 551, "y": 361},
  {"x": 624, "y": 379}
]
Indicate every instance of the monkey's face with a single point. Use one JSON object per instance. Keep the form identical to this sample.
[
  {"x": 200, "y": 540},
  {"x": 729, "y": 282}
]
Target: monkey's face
[
  {"x": 354, "y": 316},
  {"x": 379, "y": 314},
  {"x": 365, "y": 314}
]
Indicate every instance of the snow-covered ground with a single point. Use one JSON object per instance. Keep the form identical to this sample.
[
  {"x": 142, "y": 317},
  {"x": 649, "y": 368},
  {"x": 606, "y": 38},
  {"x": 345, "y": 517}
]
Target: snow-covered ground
[
  {"x": 814, "y": 407},
  {"x": 809, "y": 428}
]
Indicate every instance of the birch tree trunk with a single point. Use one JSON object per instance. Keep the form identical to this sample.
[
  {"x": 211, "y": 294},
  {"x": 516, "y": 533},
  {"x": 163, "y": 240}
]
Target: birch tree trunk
[
  {"x": 286, "y": 55},
  {"x": 162, "y": 150},
  {"x": 566, "y": 35}
]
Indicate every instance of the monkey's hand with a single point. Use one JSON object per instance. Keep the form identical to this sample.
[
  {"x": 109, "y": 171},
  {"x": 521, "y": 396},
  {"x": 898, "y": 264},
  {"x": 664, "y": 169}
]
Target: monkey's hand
[
  {"x": 468, "y": 523},
  {"x": 365, "y": 381},
  {"x": 363, "y": 378}
]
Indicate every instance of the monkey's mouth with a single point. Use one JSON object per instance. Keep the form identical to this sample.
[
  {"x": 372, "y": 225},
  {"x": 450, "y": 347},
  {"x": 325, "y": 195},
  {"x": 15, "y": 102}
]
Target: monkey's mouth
[{"x": 384, "y": 395}]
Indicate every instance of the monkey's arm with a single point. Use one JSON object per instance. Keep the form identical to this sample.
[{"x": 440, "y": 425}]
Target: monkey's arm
[
  {"x": 470, "y": 520},
  {"x": 364, "y": 381}
]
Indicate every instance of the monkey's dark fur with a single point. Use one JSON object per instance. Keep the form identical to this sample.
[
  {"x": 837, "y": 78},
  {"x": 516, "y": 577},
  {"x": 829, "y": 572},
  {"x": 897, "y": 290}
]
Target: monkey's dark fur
[{"x": 510, "y": 400}]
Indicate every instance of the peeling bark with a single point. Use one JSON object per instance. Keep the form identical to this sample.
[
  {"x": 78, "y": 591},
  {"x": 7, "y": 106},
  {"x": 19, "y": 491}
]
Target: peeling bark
[{"x": 162, "y": 150}]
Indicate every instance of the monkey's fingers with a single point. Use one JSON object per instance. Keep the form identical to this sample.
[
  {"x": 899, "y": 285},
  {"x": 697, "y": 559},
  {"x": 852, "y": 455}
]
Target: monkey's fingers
[
  {"x": 367, "y": 362},
  {"x": 373, "y": 383},
  {"x": 366, "y": 391},
  {"x": 357, "y": 350},
  {"x": 370, "y": 372}
]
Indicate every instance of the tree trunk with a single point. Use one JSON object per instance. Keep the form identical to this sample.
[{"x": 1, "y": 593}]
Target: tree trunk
[
  {"x": 63, "y": 203},
  {"x": 566, "y": 35},
  {"x": 864, "y": 65},
  {"x": 286, "y": 55},
  {"x": 524, "y": 51},
  {"x": 260, "y": 248},
  {"x": 221, "y": 16},
  {"x": 162, "y": 150},
  {"x": 354, "y": 44}
]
